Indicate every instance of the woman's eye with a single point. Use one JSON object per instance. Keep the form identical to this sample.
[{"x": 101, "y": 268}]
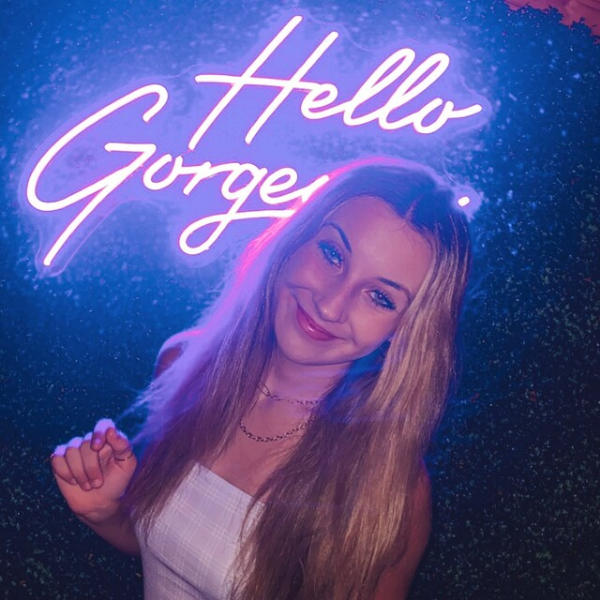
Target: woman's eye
[
  {"x": 330, "y": 253},
  {"x": 382, "y": 300}
]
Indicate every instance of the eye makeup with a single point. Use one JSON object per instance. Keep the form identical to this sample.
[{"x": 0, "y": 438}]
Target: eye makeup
[{"x": 330, "y": 253}]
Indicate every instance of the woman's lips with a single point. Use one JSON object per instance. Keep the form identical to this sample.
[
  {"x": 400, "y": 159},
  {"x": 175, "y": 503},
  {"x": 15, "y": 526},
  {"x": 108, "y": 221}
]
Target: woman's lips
[{"x": 311, "y": 329}]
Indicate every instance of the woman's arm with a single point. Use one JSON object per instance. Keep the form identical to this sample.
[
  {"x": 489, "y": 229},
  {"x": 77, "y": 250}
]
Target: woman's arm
[
  {"x": 117, "y": 531},
  {"x": 118, "y": 528},
  {"x": 395, "y": 581},
  {"x": 92, "y": 473}
]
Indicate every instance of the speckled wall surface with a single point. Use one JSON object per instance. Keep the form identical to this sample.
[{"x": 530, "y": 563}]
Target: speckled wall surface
[{"x": 515, "y": 465}]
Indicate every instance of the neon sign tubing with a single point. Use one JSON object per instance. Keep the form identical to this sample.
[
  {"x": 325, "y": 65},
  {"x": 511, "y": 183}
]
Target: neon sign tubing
[
  {"x": 321, "y": 95},
  {"x": 105, "y": 185},
  {"x": 316, "y": 105}
]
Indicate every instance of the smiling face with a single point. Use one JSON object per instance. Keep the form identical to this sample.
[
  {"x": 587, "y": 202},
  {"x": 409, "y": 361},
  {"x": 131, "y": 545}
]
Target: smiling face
[{"x": 343, "y": 293}]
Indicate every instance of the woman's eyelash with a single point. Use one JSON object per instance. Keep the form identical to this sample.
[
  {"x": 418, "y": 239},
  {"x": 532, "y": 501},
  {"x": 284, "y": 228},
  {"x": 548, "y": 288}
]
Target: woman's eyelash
[
  {"x": 382, "y": 300},
  {"x": 330, "y": 253}
]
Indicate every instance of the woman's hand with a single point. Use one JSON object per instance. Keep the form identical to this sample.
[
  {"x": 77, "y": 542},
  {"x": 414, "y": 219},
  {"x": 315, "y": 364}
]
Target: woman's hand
[{"x": 93, "y": 472}]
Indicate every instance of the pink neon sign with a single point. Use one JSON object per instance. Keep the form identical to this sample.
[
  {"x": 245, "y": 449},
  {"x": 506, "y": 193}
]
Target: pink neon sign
[{"x": 401, "y": 92}]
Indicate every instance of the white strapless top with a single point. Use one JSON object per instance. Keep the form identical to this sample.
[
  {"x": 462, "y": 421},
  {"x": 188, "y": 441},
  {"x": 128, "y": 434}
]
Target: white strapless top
[{"x": 195, "y": 540}]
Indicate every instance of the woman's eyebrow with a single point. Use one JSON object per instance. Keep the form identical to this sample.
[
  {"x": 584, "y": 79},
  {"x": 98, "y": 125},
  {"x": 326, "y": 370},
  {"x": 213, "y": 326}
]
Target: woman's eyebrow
[
  {"x": 391, "y": 283},
  {"x": 397, "y": 286},
  {"x": 342, "y": 234}
]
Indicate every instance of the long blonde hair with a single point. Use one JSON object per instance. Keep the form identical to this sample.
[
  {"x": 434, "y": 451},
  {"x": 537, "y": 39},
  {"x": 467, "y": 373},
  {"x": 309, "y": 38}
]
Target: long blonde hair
[{"x": 337, "y": 509}]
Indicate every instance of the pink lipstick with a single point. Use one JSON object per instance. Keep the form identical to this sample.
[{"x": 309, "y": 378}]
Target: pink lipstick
[{"x": 311, "y": 329}]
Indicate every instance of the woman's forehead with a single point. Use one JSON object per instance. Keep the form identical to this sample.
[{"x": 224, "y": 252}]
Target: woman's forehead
[{"x": 362, "y": 212}]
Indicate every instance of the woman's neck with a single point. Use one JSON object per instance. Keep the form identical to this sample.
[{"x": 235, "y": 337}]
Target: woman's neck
[{"x": 301, "y": 382}]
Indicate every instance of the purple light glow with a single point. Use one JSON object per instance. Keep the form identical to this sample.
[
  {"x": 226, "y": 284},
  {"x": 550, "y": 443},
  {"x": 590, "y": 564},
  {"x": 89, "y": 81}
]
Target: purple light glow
[{"x": 391, "y": 96}]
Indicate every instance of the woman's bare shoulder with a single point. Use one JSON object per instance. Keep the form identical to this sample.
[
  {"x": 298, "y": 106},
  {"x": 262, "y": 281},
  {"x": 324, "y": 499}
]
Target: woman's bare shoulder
[{"x": 172, "y": 349}]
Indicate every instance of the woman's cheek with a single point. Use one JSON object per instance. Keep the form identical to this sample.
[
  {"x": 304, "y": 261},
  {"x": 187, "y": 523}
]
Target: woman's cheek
[{"x": 304, "y": 267}]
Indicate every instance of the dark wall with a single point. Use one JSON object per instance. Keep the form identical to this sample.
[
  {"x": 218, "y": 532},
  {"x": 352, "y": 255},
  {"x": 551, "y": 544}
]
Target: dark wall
[{"x": 515, "y": 464}]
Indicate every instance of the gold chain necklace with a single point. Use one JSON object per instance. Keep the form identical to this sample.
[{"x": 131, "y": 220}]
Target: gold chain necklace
[
  {"x": 273, "y": 438},
  {"x": 265, "y": 391}
]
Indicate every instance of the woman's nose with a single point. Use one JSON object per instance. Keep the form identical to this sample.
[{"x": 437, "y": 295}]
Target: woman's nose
[{"x": 332, "y": 303}]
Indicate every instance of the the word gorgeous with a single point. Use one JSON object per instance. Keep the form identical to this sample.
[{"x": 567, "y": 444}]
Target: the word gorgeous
[{"x": 156, "y": 171}]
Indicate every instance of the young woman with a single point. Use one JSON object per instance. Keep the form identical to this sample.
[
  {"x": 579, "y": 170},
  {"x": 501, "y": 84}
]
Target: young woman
[{"x": 284, "y": 441}]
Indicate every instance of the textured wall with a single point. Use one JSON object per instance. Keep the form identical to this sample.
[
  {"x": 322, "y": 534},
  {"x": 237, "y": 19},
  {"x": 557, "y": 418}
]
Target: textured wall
[{"x": 515, "y": 464}]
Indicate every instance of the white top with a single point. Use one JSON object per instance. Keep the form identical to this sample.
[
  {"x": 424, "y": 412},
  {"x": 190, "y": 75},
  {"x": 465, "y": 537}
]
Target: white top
[{"x": 195, "y": 539}]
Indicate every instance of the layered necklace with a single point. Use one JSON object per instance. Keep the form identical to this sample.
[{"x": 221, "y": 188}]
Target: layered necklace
[{"x": 265, "y": 391}]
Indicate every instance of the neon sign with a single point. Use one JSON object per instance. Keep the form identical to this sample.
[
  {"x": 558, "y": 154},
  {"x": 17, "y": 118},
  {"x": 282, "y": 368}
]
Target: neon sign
[{"x": 401, "y": 93}]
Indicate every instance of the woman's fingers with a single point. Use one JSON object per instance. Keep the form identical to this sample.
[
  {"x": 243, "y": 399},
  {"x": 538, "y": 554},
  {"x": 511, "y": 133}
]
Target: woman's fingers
[
  {"x": 75, "y": 463},
  {"x": 92, "y": 481},
  {"x": 99, "y": 436},
  {"x": 87, "y": 462},
  {"x": 119, "y": 443},
  {"x": 60, "y": 466},
  {"x": 91, "y": 462}
]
